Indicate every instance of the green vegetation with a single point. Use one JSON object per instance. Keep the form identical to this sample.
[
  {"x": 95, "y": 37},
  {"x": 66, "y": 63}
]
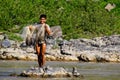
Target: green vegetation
[
  {"x": 78, "y": 18},
  {"x": 13, "y": 36}
]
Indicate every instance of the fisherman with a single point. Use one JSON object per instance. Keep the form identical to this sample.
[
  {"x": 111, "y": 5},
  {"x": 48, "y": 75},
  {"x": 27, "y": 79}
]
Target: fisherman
[{"x": 41, "y": 30}]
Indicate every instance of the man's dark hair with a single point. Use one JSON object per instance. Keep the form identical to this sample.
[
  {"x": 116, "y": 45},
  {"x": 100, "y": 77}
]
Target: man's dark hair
[{"x": 43, "y": 16}]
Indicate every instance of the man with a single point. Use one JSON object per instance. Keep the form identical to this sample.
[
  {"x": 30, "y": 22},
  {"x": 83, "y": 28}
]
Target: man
[{"x": 40, "y": 45}]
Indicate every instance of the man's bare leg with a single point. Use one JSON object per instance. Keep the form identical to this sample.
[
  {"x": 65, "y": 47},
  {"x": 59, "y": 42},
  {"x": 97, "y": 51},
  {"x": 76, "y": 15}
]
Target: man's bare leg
[
  {"x": 43, "y": 53},
  {"x": 38, "y": 50}
]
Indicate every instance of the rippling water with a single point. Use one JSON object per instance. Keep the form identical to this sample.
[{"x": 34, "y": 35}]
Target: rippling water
[{"x": 90, "y": 71}]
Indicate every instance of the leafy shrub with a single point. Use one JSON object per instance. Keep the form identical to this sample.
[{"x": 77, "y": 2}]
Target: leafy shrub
[{"x": 78, "y": 18}]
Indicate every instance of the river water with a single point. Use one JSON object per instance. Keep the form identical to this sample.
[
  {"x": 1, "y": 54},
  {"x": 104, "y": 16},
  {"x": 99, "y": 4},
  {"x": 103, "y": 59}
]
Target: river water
[{"x": 90, "y": 71}]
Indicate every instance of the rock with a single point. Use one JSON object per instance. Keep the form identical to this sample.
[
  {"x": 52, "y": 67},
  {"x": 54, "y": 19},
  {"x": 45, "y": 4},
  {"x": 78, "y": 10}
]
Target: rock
[
  {"x": 111, "y": 57},
  {"x": 110, "y": 6},
  {"x": 17, "y": 54},
  {"x": 20, "y": 57},
  {"x": 3, "y": 57},
  {"x": 0, "y": 44},
  {"x": 57, "y": 31},
  {"x": 118, "y": 58},
  {"x": 23, "y": 44},
  {"x": 31, "y": 57},
  {"x": 70, "y": 58},
  {"x": 101, "y": 58},
  {"x": 50, "y": 58},
  {"x": 75, "y": 72},
  {"x": 1, "y": 37},
  {"x": 49, "y": 72},
  {"x": 87, "y": 57},
  {"x": 6, "y": 43},
  {"x": 9, "y": 56},
  {"x": 30, "y": 50},
  {"x": 53, "y": 52},
  {"x": 27, "y": 34},
  {"x": 101, "y": 49},
  {"x": 107, "y": 57}
]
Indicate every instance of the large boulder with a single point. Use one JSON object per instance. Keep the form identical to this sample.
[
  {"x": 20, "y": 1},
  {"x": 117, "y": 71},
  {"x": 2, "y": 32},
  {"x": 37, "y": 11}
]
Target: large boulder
[
  {"x": 87, "y": 57},
  {"x": 57, "y": 31}
]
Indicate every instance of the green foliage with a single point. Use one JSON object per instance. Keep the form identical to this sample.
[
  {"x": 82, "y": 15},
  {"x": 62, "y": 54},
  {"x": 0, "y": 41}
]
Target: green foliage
[
  {"x": 78, "y": 18},
  {"x": 14, "y": 37}
]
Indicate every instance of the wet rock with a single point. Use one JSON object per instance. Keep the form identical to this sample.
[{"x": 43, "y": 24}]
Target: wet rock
[
  {"x": 87, "y": 57},
  {"x": 50, "y": 72},
  {"x": 75, "y": 72}
]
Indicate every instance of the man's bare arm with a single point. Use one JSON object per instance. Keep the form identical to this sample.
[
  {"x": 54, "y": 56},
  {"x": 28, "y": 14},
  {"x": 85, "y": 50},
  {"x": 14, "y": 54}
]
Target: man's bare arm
[{"x": 48, "y": 30}]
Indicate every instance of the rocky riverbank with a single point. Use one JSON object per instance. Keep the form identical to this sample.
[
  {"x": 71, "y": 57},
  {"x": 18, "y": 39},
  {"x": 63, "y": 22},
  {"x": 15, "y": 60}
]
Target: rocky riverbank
[{"x": 100, "y": 49}]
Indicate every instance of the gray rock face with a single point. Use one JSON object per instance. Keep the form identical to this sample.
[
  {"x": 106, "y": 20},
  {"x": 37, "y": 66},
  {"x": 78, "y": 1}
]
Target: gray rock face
[
  {"x": 104, "y": 44},
  {"x": 97, "y": 49}
]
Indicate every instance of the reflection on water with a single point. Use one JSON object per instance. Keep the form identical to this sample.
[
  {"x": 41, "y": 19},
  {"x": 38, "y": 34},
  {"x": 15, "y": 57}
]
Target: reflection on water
[{"x": 91, "y": 71}]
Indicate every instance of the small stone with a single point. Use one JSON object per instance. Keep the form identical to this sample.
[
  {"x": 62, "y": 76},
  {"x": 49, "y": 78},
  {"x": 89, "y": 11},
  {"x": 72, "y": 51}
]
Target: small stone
[
  {"x": 41, "y": 70},
  {"x": 110, "y": 6},
  {"x": 75, "y": 72},
  {"x": 6, "y": 43},
  {"x": 1, "y": 37}
]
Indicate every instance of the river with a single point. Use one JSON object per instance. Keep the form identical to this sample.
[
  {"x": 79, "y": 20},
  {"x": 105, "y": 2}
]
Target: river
[{"x": 90, "y": 71}]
